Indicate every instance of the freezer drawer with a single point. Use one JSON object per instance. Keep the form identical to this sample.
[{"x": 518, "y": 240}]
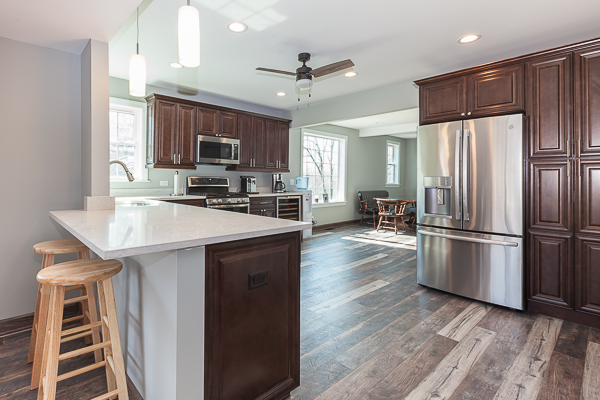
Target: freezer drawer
[{"x": 478, "y": 266}]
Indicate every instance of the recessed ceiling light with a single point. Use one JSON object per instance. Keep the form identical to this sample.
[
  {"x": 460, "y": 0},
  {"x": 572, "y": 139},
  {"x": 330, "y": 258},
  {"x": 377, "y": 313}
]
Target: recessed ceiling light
[
  {"x": 176, "y": 65},
  {"x": 280, "y": 94},
  {"x": 237, "y": 27},
  {"x": 470, "y": 38},
  {"x": 350, "y": 74}
]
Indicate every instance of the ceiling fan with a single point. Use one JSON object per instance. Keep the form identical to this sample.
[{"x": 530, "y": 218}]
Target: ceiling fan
[{"x": 305, "y": 74}]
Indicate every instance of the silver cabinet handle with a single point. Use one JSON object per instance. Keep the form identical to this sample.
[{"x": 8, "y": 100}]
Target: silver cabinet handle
[
  {"x": 469, "y": 113},
  {"x": 568, "y": 148},
  {"x": 578, "y": 147},
  {"x": 457, "y": 156},
  {"x": 179, "y": 159},
  {"x": 568, "y": 168},
  {"x": 174, "y": 159},
  {"x": 462, "y": 114},
  {"x": 466, "y": 173},
  {"x": 468, "y": 239}
]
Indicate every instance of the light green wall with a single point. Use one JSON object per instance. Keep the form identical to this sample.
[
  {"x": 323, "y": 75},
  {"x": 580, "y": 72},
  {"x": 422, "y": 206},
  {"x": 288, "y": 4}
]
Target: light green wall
[{"x": 410, "y": 168}]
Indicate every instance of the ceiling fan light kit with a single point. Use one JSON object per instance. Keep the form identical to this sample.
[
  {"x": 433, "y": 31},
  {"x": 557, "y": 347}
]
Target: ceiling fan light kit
[
  {"x": 305, "y": 74},
  {"x": 188, "y": 36},
  {"x": 137, "y": 68}
]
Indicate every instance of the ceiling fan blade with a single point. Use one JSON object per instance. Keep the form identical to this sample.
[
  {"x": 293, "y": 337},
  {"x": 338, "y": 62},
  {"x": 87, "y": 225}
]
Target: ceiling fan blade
[
  {"x": 332, "y": 68},
  {"x": 276, "y": 71}
]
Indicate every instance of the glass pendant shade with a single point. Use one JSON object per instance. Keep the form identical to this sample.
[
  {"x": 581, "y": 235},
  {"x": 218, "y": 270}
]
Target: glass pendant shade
[
  {"x": 304, "y": 84},
  {"x": 137, "y": 75},
  {"x": 188, "y": 36}
]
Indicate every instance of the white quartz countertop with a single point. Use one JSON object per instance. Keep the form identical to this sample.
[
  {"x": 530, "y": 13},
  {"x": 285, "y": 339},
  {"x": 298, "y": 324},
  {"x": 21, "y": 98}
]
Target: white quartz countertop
[{"x": 130, "y": 231}]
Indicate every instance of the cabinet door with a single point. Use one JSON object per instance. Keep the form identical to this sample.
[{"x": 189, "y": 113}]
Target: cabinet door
[
  {"x": 549, "y": 106},
  {"x": 497, "y": 91},
  {"x": 228, "y": 124},
  {"x": 208, "y": 123},
  {"x": 550, "y": 268},
  {"x": 246, "y": 140},
  {"x": 186, "y": 139},
  {"x": 587, "y": 101},
  {"x": 284, "y": 145},
  {"x": 258, "y": 150},
  {"x": 443, "y": 101},
  {"x": 587, "y": 256},
  {"x": 549, "y": 194},
  {"x": 272, "y": 139},
  {"x": 165, "y": 137},
  {"x": 588, "y": 194},
  {"x": 252, "y": 332}
]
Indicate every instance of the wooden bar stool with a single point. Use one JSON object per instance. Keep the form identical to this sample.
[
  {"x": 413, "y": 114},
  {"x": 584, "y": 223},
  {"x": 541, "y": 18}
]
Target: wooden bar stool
[
  {"x": 82, "y": 272},
  {"x": 88, "y": 300}
]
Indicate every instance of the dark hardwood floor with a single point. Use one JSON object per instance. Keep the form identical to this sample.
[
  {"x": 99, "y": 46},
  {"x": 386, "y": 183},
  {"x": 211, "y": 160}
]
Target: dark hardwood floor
[{"x": 368, "y": 331}]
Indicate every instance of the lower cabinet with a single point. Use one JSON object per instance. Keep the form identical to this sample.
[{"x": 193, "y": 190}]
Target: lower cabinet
[
  {"x": 264, "y": 206},
  {"x": 588, "y": 274},
  {"x": 252, "y": 332},
  {"x": 550, "y": 268},
  {"x": 196, "y": 203}
]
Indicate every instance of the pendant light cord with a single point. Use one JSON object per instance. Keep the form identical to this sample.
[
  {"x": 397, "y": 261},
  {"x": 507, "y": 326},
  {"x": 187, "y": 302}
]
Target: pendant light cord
[{"x": 137, "y": 42}]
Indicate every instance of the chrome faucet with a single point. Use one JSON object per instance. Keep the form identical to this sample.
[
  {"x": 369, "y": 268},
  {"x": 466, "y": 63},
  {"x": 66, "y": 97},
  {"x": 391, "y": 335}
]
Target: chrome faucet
[{"x": 121, "y": 163}]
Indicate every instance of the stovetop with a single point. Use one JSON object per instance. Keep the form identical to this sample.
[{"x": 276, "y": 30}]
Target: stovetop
[{"x": 222, "y": 195}]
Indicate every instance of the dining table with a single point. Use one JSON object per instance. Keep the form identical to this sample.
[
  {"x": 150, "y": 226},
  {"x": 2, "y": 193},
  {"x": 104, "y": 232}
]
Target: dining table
[{"x": 409, "y": 211}]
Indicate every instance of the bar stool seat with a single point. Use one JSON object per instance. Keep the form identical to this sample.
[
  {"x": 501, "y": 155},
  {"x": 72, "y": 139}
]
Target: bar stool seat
[
  {"x": 57, "y": 278},
  {"x": 79, "y": 272},
  {"x": 88, "y": 301}
]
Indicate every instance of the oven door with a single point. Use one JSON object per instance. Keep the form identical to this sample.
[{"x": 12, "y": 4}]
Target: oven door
[
  {"x": 217, "y": 150},
  {"x": 240, "y": 208}
]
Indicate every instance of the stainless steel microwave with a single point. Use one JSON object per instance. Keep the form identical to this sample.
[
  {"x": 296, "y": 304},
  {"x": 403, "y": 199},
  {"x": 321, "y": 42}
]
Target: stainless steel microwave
[{"x": 217, "y": 150}]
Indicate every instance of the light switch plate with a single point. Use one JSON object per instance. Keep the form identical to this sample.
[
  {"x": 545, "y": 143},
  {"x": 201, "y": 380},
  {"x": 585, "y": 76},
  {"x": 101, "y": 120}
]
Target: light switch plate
[
  {"x": 292, "y": 182},
  {"x": 164, "y": 183}
]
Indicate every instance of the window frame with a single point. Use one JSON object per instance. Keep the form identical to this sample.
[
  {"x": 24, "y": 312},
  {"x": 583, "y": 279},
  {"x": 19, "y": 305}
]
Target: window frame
[
  {"x": 389, "y": 143},
  {"x": 139, "y": 111},
  {"x": 343, "y": 164}
]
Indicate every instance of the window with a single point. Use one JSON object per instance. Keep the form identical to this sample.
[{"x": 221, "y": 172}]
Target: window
[
  {"x": 324, "y": 163},
  {"x": 393, "y": 164},
  {"x": 127, "y": 139}
]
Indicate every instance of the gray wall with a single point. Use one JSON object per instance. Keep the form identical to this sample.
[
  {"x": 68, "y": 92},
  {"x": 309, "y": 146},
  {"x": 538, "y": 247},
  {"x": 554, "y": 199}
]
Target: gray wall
[
  {"x": 410, "y": 168},
  {"x": 40, "y": 146}
]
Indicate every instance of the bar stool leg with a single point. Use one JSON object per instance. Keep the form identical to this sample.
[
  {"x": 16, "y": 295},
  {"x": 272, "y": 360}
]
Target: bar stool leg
[
  {"x": 49, "y": 374},
  {"x": 91, "y": 314},
  {"x": 110, "y": 331},
  {"x": 41, "y": 336},
  {"x": 47, "y": 260}
]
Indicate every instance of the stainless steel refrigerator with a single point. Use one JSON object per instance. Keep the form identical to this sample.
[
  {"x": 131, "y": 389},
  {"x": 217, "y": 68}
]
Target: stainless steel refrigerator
[{"x": 470, "y": 208}]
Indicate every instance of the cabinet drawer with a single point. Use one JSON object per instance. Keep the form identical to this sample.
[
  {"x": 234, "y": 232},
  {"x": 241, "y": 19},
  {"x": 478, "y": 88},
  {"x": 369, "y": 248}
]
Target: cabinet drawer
[{"x": 264, "y": 201}]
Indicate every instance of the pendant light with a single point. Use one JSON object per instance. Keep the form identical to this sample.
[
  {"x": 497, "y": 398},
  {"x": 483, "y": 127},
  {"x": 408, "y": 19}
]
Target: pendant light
[
  {"x": 137, "y": 68},
  {"x": 188, "y": 36}
]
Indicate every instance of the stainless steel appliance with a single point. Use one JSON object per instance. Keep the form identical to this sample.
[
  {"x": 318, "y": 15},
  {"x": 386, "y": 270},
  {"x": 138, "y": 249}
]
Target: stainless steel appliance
[
  {"x": 218, "y": 196},
  {"x": 248, "y": 184},
  {"x": 470, "y": 208},
  {"x": 217, "y": 150},
  {"x": 278, "y": 185}
]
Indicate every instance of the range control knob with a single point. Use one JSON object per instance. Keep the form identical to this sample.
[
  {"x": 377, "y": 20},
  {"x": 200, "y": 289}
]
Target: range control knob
[{"x": 219, "y": 200}]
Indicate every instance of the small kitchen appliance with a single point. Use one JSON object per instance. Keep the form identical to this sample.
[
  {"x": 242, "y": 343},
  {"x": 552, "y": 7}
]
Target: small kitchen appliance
[
  {"x": 217, "y": 150},
  {"x": 278, "y": 185},
  {"x": 217, "y": 194},
  {"x": 248, "y": 184},
  {"x": 302, "y": 182}
]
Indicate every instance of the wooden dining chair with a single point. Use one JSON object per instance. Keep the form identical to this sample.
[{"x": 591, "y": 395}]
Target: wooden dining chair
[{"x": 391, "y": 213}]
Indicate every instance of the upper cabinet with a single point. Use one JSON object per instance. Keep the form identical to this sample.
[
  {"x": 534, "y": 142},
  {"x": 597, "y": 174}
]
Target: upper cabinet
[
  {"x": 489, "y": 92},
  {"x": 587, "y": 101},
  {"x": 549, "y": 106},
  {"x": 173, "y": 125}
]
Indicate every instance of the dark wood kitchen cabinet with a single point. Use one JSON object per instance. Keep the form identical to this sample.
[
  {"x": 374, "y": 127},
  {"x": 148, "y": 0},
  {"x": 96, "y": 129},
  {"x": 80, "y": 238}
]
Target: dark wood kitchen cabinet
[
  {"x": 195, "y": 203},
  {"x": 550, "y": 271},
  {"x": 213, "y": 122},
  {"x": 264, "y": 206},
  {"x": 252, "y": 332},
  {"x": 550, "y": 191},
  {"x": 170, "y": 136},
  {"x": 489, "y": 92},
  {"x": 588, "y": 273},
  {"x": 588, "y": 202},
  {"x": 549, "y": 106},
  {"x": 587, "y": 100},
  {"x": 252, "y": 143}
]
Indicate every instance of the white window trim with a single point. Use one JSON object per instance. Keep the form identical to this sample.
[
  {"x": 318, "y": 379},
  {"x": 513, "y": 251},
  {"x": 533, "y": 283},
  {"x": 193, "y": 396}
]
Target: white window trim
[
  {"x": 387, "y": 143},
  {"x": 139, "y": 109},
  {"x": 343, "y": 162}
]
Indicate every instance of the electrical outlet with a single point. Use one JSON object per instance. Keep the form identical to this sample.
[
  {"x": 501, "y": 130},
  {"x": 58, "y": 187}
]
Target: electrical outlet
[
  {"x": 164, "y": 183},
  {"x": 292, "y": 182}
]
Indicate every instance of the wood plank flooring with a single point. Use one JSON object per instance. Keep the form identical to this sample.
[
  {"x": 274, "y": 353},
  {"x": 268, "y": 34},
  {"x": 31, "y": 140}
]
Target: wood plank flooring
[{"x": 368, "y": 331}]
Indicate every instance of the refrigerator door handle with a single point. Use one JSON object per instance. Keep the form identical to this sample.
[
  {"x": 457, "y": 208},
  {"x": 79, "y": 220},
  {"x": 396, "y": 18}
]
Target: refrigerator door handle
[
  {"x": 457, "y": 175},
  {"x": 468, "y": 239},
  {"x": 466, "y": 173}
]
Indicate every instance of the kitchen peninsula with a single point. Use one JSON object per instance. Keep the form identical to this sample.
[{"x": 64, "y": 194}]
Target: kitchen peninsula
[{"x": 208, "y": 300}]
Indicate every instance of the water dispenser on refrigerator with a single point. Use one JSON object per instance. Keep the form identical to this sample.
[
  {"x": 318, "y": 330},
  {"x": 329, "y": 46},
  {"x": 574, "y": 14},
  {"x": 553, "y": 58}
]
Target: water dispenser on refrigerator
[{"x": 438, "y": 196}]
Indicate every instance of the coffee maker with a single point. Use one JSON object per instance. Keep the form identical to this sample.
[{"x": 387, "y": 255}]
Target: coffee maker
[
  {"x": 248, "y": 184},
  {"x": 278, "y": 185}
]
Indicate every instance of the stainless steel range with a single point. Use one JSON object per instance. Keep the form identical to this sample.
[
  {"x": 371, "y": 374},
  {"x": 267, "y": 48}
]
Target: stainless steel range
[{"x": 218, "y": 196}]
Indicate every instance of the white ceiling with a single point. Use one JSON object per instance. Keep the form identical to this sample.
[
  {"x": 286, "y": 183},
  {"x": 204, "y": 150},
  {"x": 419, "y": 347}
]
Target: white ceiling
[
  {"x": 402, "y": 124},
  {"x": 389, "y": 41},
  {"x": 63, "y": 24}
]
